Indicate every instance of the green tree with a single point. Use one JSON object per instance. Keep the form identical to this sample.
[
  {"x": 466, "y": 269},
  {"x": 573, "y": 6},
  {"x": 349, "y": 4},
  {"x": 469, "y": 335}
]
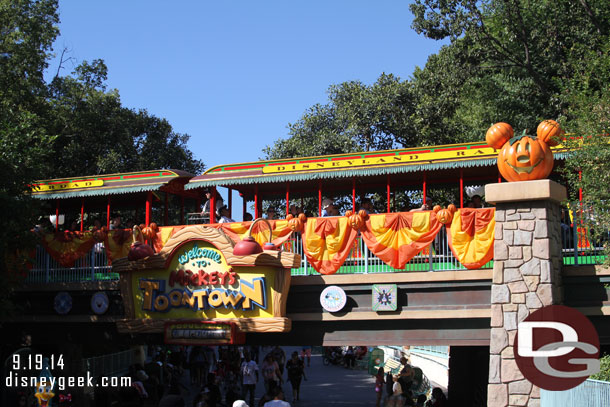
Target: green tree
[
  {"x": 96, "y": 134},
  {"x": 27, "y": 31},
  {"x": 357, "y": 117}
]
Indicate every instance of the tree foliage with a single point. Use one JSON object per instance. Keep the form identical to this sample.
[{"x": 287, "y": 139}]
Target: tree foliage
[
  {"x": 72, "y": 126},
  {"x": 508, "y": 60}
]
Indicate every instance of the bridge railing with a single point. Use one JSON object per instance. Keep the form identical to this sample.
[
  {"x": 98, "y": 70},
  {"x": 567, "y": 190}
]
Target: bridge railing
[{"x": 578, "y": 249}]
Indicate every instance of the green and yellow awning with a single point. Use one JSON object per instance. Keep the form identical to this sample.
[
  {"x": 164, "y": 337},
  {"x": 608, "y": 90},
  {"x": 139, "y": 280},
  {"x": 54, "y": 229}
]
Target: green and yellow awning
[{"x": 108, "y": 184}]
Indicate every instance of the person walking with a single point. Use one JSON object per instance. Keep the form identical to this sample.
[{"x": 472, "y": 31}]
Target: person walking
[
  {"x": 296, "y": 372},
  {"x": 379, "y": 381},
  {"x": 249, "y": 377},
  {"x": 271, "y": 373}
]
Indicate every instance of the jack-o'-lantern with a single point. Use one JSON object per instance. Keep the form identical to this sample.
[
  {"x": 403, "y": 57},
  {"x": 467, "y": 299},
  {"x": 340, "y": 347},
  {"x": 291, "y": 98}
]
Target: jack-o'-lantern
[
  {"x": 444, "y": 216},
  {"x": 525, "y": 158},
  {"x": 356, "y": 221}
]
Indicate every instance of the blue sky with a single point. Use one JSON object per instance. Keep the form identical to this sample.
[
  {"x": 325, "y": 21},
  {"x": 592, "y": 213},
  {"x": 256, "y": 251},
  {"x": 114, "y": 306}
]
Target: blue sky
[{"x": 233, "y": 74}]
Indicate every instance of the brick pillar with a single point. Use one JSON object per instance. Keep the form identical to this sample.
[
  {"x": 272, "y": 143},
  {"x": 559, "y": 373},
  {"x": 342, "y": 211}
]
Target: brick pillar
[{"x": 526, "y": 277}]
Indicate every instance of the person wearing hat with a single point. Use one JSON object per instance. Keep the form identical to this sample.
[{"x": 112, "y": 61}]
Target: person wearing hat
[
  {"x": 240, "y": 403},
  {"x": 223, "y": 214}
]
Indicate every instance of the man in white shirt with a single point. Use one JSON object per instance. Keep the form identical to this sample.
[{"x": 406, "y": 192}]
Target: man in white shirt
[
  {"x": 249, "y": 374},
  {"x": 278, "y": 399}
]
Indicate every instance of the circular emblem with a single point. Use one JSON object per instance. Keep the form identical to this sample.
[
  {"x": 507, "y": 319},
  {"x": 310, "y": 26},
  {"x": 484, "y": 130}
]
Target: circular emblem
[
  {"x": 63, "y": 303},
  {"x": 99, "y": 303},
  {"x": 557, "y": 348},
  {"x": 333, "y": 298}
]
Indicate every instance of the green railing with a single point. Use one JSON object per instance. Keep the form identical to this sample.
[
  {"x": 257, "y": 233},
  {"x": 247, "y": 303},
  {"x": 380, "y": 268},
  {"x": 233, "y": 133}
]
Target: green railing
[{"x": 577, "y": 250}]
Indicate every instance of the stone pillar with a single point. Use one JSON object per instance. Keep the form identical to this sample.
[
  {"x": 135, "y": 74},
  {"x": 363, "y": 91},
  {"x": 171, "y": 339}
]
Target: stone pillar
[{"x": 526, "y": 277}]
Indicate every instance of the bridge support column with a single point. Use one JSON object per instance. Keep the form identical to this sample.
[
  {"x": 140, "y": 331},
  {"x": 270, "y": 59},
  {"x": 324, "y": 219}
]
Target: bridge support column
[{"x": 526, "y": 277}]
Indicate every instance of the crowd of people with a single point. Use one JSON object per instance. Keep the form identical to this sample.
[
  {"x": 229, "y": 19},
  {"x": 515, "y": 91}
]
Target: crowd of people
[
  {"x": 399, "y": 389},
  {"x": 221, "y": 376}
]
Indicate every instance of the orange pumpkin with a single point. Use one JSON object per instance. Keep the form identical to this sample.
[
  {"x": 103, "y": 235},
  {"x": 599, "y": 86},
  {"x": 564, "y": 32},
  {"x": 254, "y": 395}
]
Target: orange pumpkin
[
  {"x": 452, "y": 208},
  {"x": 356, "y": 221},
  {"x": 100, "y": 234},
  {"x": 498, "y": 134},
  {"x": 149, "y": 233},
  {"x": 444, "y": 216},
  {"x": 289, "y": 216},
  {"x": 363, "y": 214},
  {"x": 154, "y": 227},
  {"x": 525, "y": 158},
  {"x": 295, "y": 224},
  {"x": 550, "y": 132},
  {"x": 302, "y": 217},
  {"x": 436, "y": 208},
  {"x": 348, "y": 213}
]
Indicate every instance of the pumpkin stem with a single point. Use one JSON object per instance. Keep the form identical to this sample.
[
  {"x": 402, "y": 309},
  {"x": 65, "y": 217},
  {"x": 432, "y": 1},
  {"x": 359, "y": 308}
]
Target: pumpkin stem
[{"x": 518, "y": 138}]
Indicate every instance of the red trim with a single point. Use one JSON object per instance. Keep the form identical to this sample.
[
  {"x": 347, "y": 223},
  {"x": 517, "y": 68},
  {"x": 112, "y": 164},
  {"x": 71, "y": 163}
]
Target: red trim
[
  {"x": 108, "y": 213},
  {"x": 450, "y": 149},
  {"x": 286, "y": 163},
  {"x": 167, "y": 173},
  {"x": 379, "y": 155},
  {"x": 354, "y": 194},
  {"x": 312, "y": 161},
  {"x": 346, "y": 158},
  {"x": 244, "y": 167},
  {"x": 151, "y": 174},
  {"x": 414, "y": 152},
  {"x": 82, "y": 214},
  {"x": 148, "y": 207},
  {"x": 216, "y": 169},
  {"x": 424, "y": 189},
  {"x": 388, "y": 192},
  {"x": 319, "y": 198},
  {"x": 110, "y": 178}
]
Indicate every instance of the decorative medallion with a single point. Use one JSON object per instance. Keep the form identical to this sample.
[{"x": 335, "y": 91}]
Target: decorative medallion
[
  {"x": 333, "y": 298},
  {"x": 99, "y": 303},
  {"x": 385, "y": 297},
  {"x": 63, "y": 303}
]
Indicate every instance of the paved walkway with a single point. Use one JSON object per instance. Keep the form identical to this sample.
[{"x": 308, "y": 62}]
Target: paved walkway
[{"x": 329, "y": 385}]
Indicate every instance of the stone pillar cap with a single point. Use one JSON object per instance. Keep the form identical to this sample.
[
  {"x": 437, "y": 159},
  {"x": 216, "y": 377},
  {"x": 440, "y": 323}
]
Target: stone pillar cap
[{"x": 537, "y": 190}]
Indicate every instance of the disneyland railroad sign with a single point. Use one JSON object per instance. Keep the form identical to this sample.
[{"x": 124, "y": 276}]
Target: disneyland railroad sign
[{"x": 196, "y": 277}]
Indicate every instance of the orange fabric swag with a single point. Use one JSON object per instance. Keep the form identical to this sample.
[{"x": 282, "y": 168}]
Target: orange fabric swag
[
  {"x": 67, "y": 247},
  {"x": 327, "y": 242},
  {"x": 397, "y": 237},
  {"x": 260, "y": 232},
  {"x": 471, "y": 236}
]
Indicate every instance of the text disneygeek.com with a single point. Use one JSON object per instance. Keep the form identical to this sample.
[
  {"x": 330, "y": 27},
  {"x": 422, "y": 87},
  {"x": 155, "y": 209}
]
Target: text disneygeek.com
[{"x": 62, "y": 383}]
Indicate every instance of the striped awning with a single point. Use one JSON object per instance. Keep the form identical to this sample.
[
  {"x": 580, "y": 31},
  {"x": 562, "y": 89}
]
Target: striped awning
[
  {"x": 408, "y": 160},
  {"x": 108, "y": 184}
]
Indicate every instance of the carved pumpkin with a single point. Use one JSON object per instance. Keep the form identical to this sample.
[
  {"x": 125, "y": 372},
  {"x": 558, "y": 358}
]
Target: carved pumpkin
[
  {"x": 550, "y": 132},
  {"x": 452, "y": 208},
  {"x": 444, "y": 216},
  {"x": 436, "y": 208},
  {"x": 525, "y": 158},
  {"x": 295, "y": 224},
  {"x": 349, "y": 213},
  {"x": 498, "y": 134},
  {"x": 356, "y": 221}
]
